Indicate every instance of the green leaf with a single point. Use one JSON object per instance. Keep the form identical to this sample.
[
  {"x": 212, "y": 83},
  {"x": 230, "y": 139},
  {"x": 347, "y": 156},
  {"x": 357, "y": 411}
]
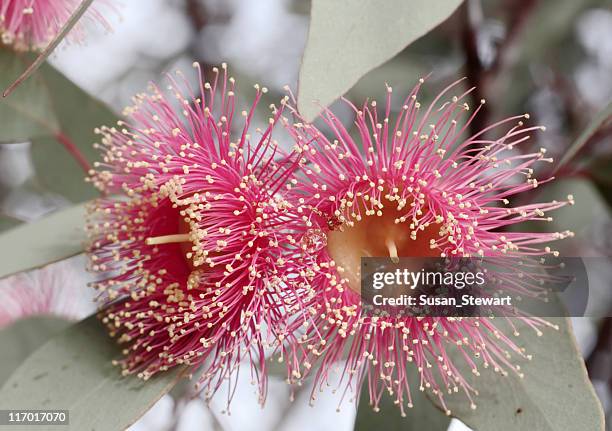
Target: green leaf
[
  {"x": 554, "y": 395},
  {"x": 600, "y": 121},
  {"x": 70, "y": 23},
  {"x": 7, "y": 222},
  {"x": 542, "y": 42},
  {"x": 348, "y": 38},
  {"x": 74, "y": 372},
  {"x": 53, "y": 238},
  {"x": 50, "y": 110},
  {"x": 78, "y": 115},
  {"x": 422, "y": 416},
  {"x": 28, "y": 113},
  {"x": 23, "y": 337}
]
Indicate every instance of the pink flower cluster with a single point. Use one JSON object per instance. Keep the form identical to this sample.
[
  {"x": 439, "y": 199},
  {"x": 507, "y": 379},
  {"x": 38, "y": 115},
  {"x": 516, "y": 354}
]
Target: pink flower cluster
[
  {"x": 420, "y": 183},
  {"x": 196, "y": 248},
  {"x": 32, "y": 24},
  {"x": 217, "y": 248}
]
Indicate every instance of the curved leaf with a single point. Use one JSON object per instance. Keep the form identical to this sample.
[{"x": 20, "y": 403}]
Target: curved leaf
[
  {"x": 23, "y": 337},
  {"x": 348, "y": 38},
  {"x": 74, "y": 372},
  {"x": 78, "y": 115},
  {"x": 28, "y": 112},
  {"x": 52, "y": 112},
  {"x": 31, "y": 245},
  {"x": 554, "y": 395}
]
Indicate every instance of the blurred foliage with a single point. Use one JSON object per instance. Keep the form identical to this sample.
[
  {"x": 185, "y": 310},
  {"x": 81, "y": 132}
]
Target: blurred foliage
[
  {"x": 24, "y": 337},
  {"x": 546, "y": 41},
  {"x": 599, "y": 122},
  {"x": 47, "y": 109},
  {"x": 28, "y": 113},
  {"x": 74, "y": 370},
  {"x": 53, "y": 238},
  {"x": 8, "y": 223}
]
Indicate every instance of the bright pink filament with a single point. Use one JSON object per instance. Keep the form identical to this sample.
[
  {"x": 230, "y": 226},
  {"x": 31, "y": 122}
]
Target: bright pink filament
[{"x": 32, "y": 24}]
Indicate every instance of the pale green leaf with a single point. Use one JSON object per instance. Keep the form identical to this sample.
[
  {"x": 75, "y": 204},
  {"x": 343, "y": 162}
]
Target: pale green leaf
[
  {"x": 7, "y": 222},
  {"x": 78, "y": 115},
  {"x": 28, "y": 113},
  {"x": 554, "y": 395},
  {"x": 53, "y": 238},
  {"x": 74, "y": 372},
  {"x": 46, "y": 109},
  {"x": 348, "y": 38},
  {"x": 23, "y": 337}
]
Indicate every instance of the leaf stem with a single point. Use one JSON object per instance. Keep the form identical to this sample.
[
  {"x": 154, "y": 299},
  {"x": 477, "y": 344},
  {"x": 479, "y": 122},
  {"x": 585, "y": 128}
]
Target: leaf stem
[{"x": 74, "y": 151}]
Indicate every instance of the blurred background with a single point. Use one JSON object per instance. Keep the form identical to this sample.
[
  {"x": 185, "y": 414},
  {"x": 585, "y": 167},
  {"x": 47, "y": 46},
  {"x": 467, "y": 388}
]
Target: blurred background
[{"x": 551, "y": 58}]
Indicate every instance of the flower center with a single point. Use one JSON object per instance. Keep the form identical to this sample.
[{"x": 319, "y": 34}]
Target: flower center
[
  {"x": 377, "y": 236},
  {"x": 182, "y": 238}
]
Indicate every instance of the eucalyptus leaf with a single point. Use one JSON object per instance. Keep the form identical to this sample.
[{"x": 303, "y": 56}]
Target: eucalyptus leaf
[
  {"x": 78, "y": 114},
  {"x": 348, "y": 38},
  {"x": 74, "y": 372},
  {"x": 422, "y": 416},
  {"x": 554, "y": 395},
  {"x": 28, "y": 113},
  {"x": 53, "y": 238},
  {"x": 51, "y": 111},
  {"x": 7, "y": 222},
  {"x": 23, "y": 337}
]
